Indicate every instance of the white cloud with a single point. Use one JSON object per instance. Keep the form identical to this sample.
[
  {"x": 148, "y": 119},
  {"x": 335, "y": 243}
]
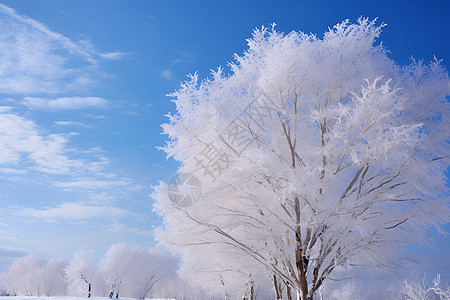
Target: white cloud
[
  {"x": 92, "y": 184},
  {"x": 11, "y": 252},
  {"x": 65, "y": 103},
  {"x": 10, "y": 100},
  {"x": 36, "y": 59},
  {"x": 132, "y": 113},
  {"x": 39, "y": 27},
  {"x": 114, "y": 55},
  {"x": 183, "y": 57},
  {"x": 73, "y": 211},
  {"x": 12, "y": 171},
  {"x": 4, "y": 109},
  {"x": 26, "y": 150},
  {"x": 73, "y": 123},
  {"x": 167, "y": 74},
  {"x": 119, "y": 227},
  {"x": 21, "y": 141}
]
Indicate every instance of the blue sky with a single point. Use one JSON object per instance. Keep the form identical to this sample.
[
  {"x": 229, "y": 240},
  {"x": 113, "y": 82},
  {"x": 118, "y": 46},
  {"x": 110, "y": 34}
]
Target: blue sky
[{"x": 83, "y": 87}]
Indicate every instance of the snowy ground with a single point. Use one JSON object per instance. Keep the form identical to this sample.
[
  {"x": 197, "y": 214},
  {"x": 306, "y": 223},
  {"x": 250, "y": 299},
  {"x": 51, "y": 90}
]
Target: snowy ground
[{"x": 70, "y": 298}]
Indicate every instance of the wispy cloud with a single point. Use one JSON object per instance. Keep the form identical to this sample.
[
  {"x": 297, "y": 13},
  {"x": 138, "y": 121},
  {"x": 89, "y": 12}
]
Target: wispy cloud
[
  {"x": 183, "y": 57},
  {"x": 167, "y": 74},
  {"x": 38, "y": 26},
  {"x": 65, "y": 103},
  {"x": 12, "y": 171},
  {"x": 132, "y": 113},
  {"x": 21, "y": 141},
  {"x": 11, "y": 252},
  {"x": 73, "y": 211},
  {"x": 36, "y": 59},
  {"x": 114, "y": 55},
  {"x": 4, "y": 109},
  {"x": 26, "y": 150},
  {"x": 119, "y": 227},
  {"x": 92, "y": 184},
  {"x": 73, "y": 123}
]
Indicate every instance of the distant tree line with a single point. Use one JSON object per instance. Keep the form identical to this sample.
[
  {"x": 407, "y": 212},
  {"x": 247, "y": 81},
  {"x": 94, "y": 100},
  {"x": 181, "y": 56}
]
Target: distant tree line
[{"x": 123, "y": 272}]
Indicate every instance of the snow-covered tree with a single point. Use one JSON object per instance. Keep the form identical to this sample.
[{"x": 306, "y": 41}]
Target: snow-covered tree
[
  {"x": 152, "y": 270},
  {"x": 54, "y": 278},
  {"x": 118, "y": 263},
  {"x": 234, "y": 278},
  {"x": 80, "y": 274},
  {"x": 422, "y": 290},
  {"x": 313, "y": 154},
  {"x": 3, "y": 284},
  {"x": 32, "y": 276},
  {"x": 24, "y": 277},
  {"x": 132, "y": 271}
]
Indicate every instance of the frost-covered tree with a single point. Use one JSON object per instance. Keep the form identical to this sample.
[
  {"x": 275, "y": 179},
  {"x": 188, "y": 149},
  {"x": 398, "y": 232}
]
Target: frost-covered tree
[
  {"x": 118, "y": 263},
  {"x": 80, "y": 274},
  {"x": 53, "y": 277},
  {"x": 422, "y": 290},
  {"x": 234, "y": 278},
  {"x": 3, "y": 285},
  {"x": 24, "y": 277},
  {"x": 152, "y": 270},
  {"x": 313, "y": 154},
  {"x": 32, "y": 276}
]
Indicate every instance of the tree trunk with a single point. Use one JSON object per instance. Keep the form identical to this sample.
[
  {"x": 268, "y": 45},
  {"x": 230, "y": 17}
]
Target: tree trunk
[
  {"x": 251, "y": 293},
  {"x": 301, "y": 268},
  {"x": 288, "y": 291},
  {"x": 301, "y": 262},
  {"x": 275, "y": 285}
]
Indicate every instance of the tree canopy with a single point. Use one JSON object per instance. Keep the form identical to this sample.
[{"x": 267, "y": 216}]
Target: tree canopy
[{"x": 313, "y": 154}]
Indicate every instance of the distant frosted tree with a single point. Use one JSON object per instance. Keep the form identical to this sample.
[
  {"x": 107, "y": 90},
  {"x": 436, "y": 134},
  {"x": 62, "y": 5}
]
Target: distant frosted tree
[
  {"x": 54, "y": 278},
  {"x": 153, "y": 269},
  {"x": 313, "y": 155},
  {"x": 3, "y": 285},
  {"x": 118, "y": 263},
  {"x": 24, "y": 277},
  {"x": 80, "y": 274},
  {"x": 132, "y": 271}
]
